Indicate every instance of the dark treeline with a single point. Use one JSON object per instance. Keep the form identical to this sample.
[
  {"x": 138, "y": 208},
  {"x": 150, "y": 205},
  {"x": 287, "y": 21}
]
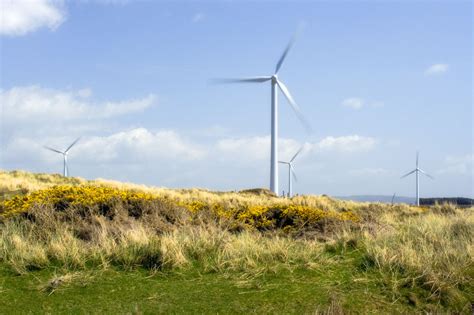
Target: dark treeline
[{"x": 460, "y": 201}]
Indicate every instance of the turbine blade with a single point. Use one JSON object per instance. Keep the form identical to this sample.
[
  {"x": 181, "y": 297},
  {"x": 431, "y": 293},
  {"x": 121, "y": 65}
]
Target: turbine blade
[
  {"x": 72, "y": 144},
  {"x": 293, "y": 174},
  {"x": 417, "y": 156},
  {"x": 243, "y": 80},
  {"x": 54, "y": 150},
  {"x": 285, "y": 52},
  {"x": 294, "y": 156},
  {"x": 426, "y": 174},
  {"x": 409, "y": 173},
  {"x": 294, "y": 106},
  {"x": 282, "y": 162}
]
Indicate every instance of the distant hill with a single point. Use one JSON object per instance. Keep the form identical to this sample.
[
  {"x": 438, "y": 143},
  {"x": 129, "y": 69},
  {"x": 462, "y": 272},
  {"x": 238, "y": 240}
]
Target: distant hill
[{"x": 377, "y": 198}]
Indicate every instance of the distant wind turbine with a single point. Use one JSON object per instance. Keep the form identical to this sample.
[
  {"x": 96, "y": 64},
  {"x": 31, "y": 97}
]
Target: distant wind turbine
[
  {"x": 417, "y": 170},
  {"x": 275, "y": 81},
  {"x": 64, "y": 153},
  {"x": 291, "y": 172}
]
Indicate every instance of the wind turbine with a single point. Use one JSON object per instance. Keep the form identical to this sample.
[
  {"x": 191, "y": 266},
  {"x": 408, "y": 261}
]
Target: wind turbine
[
  {"x": 291, "y": 172},
  {"x": 417, "y": 170},
  {"x": 64, "y": 153},
  {"x": 275, "y": 82}
]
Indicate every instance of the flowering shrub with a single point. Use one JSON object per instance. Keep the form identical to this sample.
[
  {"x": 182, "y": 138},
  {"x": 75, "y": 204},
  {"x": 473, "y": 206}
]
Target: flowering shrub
[
  {"x": 80, "y": 197},
  {"x": 264, "y": 217},
  {"x": 289, "y": 216},
  {"x": 104, "y": 200}
]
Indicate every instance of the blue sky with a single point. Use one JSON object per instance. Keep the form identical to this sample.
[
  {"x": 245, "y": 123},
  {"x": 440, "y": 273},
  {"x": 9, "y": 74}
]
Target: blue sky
[{"x": 377, "y": 80}]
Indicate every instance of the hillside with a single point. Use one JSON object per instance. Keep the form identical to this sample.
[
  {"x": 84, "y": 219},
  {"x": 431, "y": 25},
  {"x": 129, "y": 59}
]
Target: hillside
[
  {"x": 72, "y": 245},
  {"x": 460, "y": 201}
]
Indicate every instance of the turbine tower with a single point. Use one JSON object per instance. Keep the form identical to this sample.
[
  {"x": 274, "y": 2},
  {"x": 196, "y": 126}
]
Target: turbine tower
[
  {"x": 64, "y": 153},
  {"x": 276, "y": 84},
  {"x": 291, "y": 172},
  {"x": 417, "y": 170}
]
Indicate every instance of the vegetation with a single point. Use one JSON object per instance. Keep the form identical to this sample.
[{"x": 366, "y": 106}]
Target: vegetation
[
  {"x": 129, "y": 248},
  {"x": 459, "y": 201}
]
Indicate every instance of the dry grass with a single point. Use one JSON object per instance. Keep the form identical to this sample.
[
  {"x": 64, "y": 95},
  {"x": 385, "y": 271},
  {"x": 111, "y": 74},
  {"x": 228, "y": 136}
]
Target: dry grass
[
  {"x": 429, "y": 249},
  {"x": 27, "y": 245},
  {"x": 20, "y": 181},
  {"x": 61, "y": 281},
  {"x": 335, "y": 308},
  {"x": 434, "y": 251}
]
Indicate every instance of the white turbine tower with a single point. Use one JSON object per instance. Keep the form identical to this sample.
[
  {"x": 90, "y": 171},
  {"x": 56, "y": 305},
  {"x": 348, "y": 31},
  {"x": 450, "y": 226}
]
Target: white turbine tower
[
  {"x": 64, "y": 153},
  {"x": 275, "y": 82},
  {"x": 291, "y": 172},
  {"x": 417, "y": 170}
]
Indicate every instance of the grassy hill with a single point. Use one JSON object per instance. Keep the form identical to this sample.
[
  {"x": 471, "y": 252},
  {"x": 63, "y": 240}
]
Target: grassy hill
[{"x": 72, "y": 245}]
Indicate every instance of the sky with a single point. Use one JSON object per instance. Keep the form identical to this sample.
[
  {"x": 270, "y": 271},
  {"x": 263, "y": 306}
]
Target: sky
[{"x": 377, "y": 80}]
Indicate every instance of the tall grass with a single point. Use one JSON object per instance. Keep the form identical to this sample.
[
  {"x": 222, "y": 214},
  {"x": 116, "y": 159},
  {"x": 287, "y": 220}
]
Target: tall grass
[
  {"x": 131, "y": 243},
  {"x": 434, "y": 251},
  {"x": 430, "y": 250}
]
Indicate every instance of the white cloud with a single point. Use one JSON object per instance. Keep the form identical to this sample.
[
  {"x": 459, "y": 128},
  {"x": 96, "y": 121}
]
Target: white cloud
[
  {"x": 437, "y": 68},
  {"x": 131, "y": 146},
  {"x": 353, "y": 102},
  {"x": 258, "y": 148},
  {"x": 198, "y": 17},
  {"x": 19, "y": 17},
  {"x": 141, "y": 144},
  {"x": 458, "y": 165},
  {"x": 465, "y": 159},
  {"x": 346, "y": 144},
  {"x": 357, "y": 103},
  {"x": 85, "y": 93},
  {"x": 35, "y": 105},
  {"x": 254, "y": 148}
]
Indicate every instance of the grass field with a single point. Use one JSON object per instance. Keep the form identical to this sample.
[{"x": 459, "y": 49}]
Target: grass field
[{"x": 71, "y": 245}]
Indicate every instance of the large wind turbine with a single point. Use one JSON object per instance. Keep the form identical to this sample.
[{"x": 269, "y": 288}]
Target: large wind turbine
[
  {"x": 64, "y": 153},
  {"x": 417, "y": 170},
  {"x": 291, "y": 172},
  {"x": 275, "y": 82}
]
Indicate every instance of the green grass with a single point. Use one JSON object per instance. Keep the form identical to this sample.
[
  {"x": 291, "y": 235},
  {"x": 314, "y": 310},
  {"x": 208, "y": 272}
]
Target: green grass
[
  {"x": 196, "y": 251},
  {"x": 333, "y": 288}
]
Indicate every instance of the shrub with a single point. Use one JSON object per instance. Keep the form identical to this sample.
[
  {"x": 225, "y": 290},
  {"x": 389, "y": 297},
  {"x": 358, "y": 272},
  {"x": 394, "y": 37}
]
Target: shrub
[{"x": 87, "y": 200}]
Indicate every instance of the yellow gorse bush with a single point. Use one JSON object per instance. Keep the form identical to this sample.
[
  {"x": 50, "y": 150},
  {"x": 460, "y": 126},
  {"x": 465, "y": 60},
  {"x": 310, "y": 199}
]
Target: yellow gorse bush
[
  {"x": 284, "y": 215},
  {"x": 64, "y": 196},
  {"x": 260, "y": 216}
]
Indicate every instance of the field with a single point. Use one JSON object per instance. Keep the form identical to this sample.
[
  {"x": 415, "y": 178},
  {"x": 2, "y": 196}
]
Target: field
[{"x": 71, "y": 245}]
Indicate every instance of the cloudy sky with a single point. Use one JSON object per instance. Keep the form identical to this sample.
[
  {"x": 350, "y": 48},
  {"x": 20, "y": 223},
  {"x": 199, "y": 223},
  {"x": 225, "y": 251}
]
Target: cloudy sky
[{"x": 377, "y": 80}]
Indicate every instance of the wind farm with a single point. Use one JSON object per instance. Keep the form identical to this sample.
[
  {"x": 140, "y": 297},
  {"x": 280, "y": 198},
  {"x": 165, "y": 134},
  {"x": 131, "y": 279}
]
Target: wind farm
[{"x": 227, "y": 164}]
